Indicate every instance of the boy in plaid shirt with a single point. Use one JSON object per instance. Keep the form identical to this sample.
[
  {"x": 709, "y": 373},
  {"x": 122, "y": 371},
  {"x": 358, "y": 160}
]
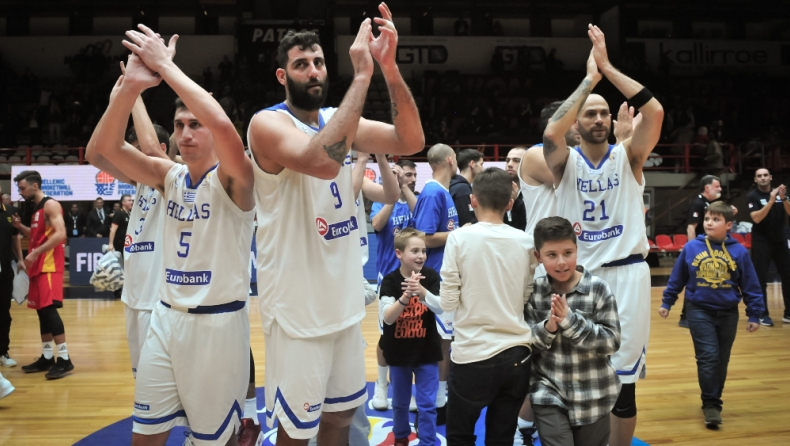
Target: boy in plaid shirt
[{"x": 573, "y": 316}]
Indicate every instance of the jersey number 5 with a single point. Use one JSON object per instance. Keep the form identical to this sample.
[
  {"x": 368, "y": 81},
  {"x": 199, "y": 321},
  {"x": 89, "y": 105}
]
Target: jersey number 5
[
  {"x": 590, "y": 207},
  {"x": 184, "y": 244},
  {"x": 336, "y": 193}
]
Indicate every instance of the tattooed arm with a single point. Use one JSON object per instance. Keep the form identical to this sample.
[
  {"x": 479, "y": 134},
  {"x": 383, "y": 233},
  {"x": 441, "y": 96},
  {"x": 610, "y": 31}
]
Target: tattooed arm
[
  {"x": 277, "y": 144},
  {"x": 555, "y": 150},
  {"x": 404, "y": 136},
  {"x": 647, "y": 131}
]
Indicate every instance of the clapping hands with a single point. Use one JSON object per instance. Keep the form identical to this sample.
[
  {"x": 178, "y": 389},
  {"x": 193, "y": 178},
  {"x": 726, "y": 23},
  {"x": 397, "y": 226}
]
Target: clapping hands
[{"x": 559, "y": 311}]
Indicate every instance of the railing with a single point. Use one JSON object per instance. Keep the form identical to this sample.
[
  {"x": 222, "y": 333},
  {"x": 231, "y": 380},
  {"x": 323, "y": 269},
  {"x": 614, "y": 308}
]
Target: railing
[{"x": 31, "y": 155}]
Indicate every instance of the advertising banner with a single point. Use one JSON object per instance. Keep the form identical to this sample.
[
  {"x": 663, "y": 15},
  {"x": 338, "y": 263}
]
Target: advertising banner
[
  {"x": 695, "y": 57},
  {"x": 75, "y": 183},
  {"x": 84, "y": 255},
  {"x": 473, "y": 55}
]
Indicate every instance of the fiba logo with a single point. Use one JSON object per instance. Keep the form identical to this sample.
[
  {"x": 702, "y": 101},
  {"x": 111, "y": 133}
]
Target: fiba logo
[
  {"x": 450, "y": 225},
  {"x": 105, "y": 183},
  {"x": 370, "y": 174},
  {"x": 322, "y": 226},
  {"x": 127, "y": 242},
  {"x": 577, "y": 228}
]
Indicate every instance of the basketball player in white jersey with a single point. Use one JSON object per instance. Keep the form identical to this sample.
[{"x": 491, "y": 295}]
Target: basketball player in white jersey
[
  {"x": 142, "y": 247},
  {"x": 208, "y": 207},
  {"x": 599, "y": 189},
  {"x": 308, "y": 243}
]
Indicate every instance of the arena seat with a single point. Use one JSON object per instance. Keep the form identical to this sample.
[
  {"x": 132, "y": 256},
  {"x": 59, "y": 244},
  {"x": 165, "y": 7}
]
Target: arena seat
[
  {"x": 739, "y": 238},
  {"x": 680, "y": 240},
  {"x": 748, "y": 239},
  {"x": 665, "y": 243}
]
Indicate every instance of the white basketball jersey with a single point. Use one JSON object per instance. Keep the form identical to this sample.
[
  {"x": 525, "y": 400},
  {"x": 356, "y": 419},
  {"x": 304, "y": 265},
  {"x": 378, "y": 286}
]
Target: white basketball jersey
[
  {"x": 207, "y": 241},
  {"x": 308, "y": 240},
  {"x": 605, "y": 206},
  {"x": 142, "y": 250},
  {"x": 539, "y": 202}
]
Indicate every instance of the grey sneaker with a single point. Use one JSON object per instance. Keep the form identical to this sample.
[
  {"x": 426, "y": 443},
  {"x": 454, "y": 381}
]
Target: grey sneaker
[{"x": 712, "y": 416}]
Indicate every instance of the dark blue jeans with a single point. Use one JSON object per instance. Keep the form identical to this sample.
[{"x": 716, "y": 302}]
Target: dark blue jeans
[
  {"x": 426, "y": 383},
  {"x": 499, "y": 383},
  {"x": 713, "y": 333}
]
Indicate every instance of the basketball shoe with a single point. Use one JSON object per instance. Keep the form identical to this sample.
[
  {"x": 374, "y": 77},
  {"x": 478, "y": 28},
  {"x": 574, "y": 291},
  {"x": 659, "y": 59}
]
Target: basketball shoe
[
  {"x": 61, "y": 368},
  {"x": 40, "y": 365},
  {"x": 6, "y": 388},
  {"x": 7, "y": 361},
  {"x": 380, "y": 401},
  {"x": 250, "y": 433}
]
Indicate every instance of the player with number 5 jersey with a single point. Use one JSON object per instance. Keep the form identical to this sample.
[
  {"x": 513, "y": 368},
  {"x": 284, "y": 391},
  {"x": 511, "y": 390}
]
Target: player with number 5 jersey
[
  {"x": 599, "y": 190},
  {"x": 309, "y": 228},
  {"x": 208, "y": 211}
]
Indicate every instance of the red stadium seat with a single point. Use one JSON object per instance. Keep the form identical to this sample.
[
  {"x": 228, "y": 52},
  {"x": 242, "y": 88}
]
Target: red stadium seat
[
  {"x": 739, "y": 238},
  {"x": 665, "y": 243},
  {"x": 680, "y": 240},
  {"x": 748, "y": 238}
]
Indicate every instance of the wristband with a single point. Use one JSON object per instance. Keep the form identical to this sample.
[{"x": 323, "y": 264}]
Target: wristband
[
  {"x": 404, "y": 304},
  {"x": 641, "y": 98}
]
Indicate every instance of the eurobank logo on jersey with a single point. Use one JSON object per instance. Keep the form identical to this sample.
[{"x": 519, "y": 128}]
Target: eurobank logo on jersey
[
  {"x": 335, "y": 230},
  {"x": 187, "y": 277},
  {"x": 597, "y": 236}
]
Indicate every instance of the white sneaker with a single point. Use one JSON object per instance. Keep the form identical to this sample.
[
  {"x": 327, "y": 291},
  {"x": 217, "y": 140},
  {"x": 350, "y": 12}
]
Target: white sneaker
[
  {"x": 6, "y": 361},
  {"x": 380, "y": 401},
  {"x": 413, "y": 404},
  {"x": 441, "y": 400},
  {"x": 6, "y": 388}
]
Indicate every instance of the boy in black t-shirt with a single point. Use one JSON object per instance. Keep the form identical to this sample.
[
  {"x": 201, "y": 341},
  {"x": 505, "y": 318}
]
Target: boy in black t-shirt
[{"x": 410, "y": 342}]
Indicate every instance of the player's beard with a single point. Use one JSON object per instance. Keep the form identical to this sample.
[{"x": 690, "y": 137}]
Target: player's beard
[
  {"x": 588, "y": 135},
  {"x": 300, "y": 96}
]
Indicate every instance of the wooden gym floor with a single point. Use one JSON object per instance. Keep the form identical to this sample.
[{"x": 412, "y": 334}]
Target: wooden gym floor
[{"x": 100, "y": 391}]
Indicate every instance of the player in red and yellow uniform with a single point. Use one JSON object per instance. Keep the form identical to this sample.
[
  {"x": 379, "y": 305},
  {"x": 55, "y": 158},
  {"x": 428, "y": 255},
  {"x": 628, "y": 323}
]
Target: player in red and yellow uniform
[{"x": 44, "y": 264}]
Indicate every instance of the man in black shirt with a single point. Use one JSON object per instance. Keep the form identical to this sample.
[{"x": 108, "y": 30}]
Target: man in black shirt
[
  {"x": 470, "y": 163},
  {"x": 75, "y": 222},
  {"x": 98, "y": 223},
  {"x": 516, "y": 216},
  {"x": 10, "y": 248},
  {"x": 120, "y": 221},
  {"x": 767, "y": 208}
]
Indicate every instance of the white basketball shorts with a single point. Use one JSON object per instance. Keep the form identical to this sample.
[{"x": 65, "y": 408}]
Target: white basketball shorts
[
  {"x": 308, "y": 376},
  {"x": 137, "y": 323},
  {"x": 193, "y": 371}
]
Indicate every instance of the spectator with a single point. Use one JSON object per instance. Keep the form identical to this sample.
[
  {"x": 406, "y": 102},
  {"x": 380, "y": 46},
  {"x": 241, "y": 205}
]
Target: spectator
[
  {"x": 714, "y": 156},
  {"x": 491, "y": 346},
  {"x": 115, "y": 208},
  {"x": 768, "y": 208},
  {"x": 8, "y": 203},
  {"x": 470, "y": 163},
  {"x": 517, "y": 215},
  {"x": 10, "y": 249},
  {"x": 75, "y": 223},
  {"x": 97, "y": 223},
  {"x": 225, "y": 70}
]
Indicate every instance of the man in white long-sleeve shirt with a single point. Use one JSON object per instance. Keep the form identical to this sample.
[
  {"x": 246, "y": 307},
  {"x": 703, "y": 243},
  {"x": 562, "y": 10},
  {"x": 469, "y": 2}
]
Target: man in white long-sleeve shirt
[{"x": 487, "y": 279}]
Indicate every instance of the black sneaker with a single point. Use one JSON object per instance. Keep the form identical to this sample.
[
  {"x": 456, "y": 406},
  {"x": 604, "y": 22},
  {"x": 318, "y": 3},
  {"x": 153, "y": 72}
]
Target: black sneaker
[
  {"x": 527, "y": 435},
  {"x": 712, "y": 416},
  {"x": 41, "y": 365},
  {"x": 60, "y": 369}
]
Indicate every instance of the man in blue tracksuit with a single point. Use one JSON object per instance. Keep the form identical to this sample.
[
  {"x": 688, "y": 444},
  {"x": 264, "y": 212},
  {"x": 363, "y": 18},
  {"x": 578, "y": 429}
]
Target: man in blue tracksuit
[{"x": 716, "y": 272}]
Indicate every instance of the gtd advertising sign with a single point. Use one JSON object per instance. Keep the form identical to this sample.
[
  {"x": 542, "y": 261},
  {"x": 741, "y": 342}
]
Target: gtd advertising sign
[
  {"x": 698, "y": 56},
  {"x": 472, "y": 55},
  {"x": 75, "y": 183}
]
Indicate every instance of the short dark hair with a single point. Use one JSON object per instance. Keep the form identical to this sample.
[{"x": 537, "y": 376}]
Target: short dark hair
[
  {"x": 708, "y": 180},
  {"x": 547, "y": 112},
  {"x": 466, "y": 156},
  {"x": 30, "y": 176},
  {"x": 180, "y": 104},
  {"x": 553, "y": 229},
  {"x": 721, "y": 208},
  {"x": 303, "y": 40},
  {"x": 161, "y": 135},
  {"x": 406, "y": 163},
  {"x": 492, "y": 189},
  {"x": 123, "y": 197}
]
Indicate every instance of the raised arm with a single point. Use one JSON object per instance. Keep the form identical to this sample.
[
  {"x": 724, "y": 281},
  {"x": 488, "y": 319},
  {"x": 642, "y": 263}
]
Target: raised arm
[
  {"x": 108, "y": 137},
  {"x": 277, "y": 144},
  {"x": 533, "y": 169},
  {"x": 146, "y": 134},
  {"x": 555, "y": 150},
  {"x": 404, "y": 136},
  {"x": 389, "y": 190},
  {"x": 235, "y": 168},
  {"x": 358, "y": 173},
  {"x": 648, "y": 130}
]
